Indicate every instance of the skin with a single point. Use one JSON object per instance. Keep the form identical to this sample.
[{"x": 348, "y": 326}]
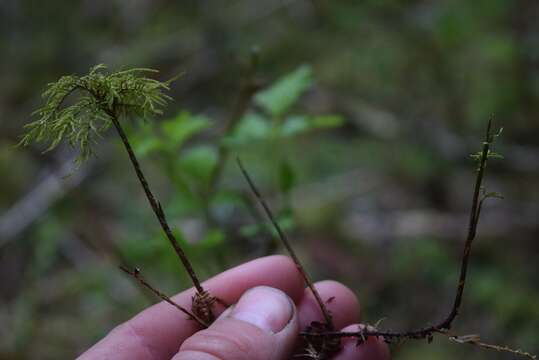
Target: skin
[{"x": 160, "y": 331}]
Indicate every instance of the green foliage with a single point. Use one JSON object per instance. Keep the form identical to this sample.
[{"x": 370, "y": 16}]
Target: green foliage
[
  {"x": 189, "y": 168},
  {"x": 170, "y": 135},
  {"x": 179, "y": 145},
  {"x": 287, "y": 177},
  {"x": 183, "y": 127},
  {"x": 100, "y": 97},
  {"x": 453, "y": 62},
  {"x": 478, "y": 156},
  {"x": 276, "y": 102},
  {"x": 199, "y": 163},
  {"x": 490, "y": 155},
  {"x": 252, "y": 127},
  {"x": 299, "y": 124},
  {"x": 277, "y": 99}
]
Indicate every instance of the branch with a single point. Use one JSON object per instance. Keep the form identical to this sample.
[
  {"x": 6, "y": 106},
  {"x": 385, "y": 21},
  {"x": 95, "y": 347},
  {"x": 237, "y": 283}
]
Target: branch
[
  {"x": 136, "y": 274},
  {"x": 42, "y": 196},
  {"x": 476, "y": 340},
  {"x": 202, "y": 301},
  {"x": 156, "y": 206},
  {"x": 284, "y": 239},
  {"x": 472, "y": 229}
]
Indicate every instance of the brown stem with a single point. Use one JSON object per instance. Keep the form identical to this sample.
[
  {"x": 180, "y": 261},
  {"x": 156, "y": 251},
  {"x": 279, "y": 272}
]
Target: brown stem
[
  {"x": 445, "y": 324},
  {"x": 136, "y": 274},
  {"x": 472, "y": 229},
  {"x": 421, "y": 334},
  {"x": 156, "y": 206},
  {"x": 476, "y": 341},
  {"x": 414, "y": 334},
  {"x": 282, "y": 235}
]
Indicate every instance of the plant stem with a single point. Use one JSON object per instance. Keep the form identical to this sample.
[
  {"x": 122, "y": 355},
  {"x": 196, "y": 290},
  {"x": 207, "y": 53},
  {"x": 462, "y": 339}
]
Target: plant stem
[
  {"x": 136, "y": 274},
  {"x": 472, "y": 229},
  {"x": 445, "y": 324},
  {"x": 156, "y": 206},
  {"x": 282, "y": 235},
  {"x": 476, "y": 341}
]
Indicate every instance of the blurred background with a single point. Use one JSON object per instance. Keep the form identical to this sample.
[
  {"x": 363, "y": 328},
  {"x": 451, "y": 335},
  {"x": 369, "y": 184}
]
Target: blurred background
[{"x": 359, "y": 137}]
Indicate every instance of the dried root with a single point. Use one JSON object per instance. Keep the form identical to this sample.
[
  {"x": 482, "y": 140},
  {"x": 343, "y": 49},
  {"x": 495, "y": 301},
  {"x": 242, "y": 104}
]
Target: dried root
[{"x": 202, "y": 305}]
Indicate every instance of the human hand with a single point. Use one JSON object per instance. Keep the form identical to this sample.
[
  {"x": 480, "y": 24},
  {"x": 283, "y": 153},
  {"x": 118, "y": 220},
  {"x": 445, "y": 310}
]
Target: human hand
[{"x": 271, "y": 306}]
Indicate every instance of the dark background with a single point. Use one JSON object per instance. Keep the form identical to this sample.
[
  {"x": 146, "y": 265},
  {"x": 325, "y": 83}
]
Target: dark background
[{"x": 380, "y": 203}]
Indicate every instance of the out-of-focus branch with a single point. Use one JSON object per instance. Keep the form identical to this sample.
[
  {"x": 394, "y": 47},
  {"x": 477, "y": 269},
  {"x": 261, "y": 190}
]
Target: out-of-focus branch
[
  {"x": 248, "y": 87},
  {"x": 52, "y": 187}
]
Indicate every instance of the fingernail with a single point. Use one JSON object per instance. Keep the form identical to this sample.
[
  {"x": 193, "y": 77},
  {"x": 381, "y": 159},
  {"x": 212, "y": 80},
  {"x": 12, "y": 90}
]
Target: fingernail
[{"x": 264, "y": 307}]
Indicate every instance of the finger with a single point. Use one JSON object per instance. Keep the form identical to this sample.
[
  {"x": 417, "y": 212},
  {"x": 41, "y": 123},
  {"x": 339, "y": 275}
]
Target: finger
[
  {"x": 263, "y": 325},
  {"x": 374, "y": 348},
  {"x": 157, "y": 332},
  {"x": 341, "y": 302}
]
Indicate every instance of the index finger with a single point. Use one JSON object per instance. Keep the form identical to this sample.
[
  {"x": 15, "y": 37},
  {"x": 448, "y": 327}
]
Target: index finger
[{"x": 157, "y": 332}]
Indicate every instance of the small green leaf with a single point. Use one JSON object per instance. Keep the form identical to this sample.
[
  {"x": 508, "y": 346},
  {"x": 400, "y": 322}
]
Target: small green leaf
[
  {"x": 494, "y": 155},
  {"x": 184, "y": 126},
  {"x": 490, "y": 155},
  {"x": 493, "y": 194},
  {"x": 285, "y": 92},
  {"x": 477, "y": 156}
]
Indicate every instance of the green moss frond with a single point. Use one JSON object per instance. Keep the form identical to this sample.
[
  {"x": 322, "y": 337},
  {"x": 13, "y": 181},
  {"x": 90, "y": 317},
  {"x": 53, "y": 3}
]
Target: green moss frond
[{"x": 78, "y": 109}]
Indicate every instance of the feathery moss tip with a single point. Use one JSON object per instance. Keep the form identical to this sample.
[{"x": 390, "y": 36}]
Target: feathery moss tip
[{"x": 78, "y": 109}]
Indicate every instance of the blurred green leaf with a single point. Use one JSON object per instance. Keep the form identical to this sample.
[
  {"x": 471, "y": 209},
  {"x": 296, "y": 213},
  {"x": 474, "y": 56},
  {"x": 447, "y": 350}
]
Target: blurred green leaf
[
  {"x": 297, "y": 124},
  {"x": 285, "y": 91},
  {"x": 287, "y": 176},
  {"x": 327, "y": 121},
  {"x": 285, "y": 219},
  {"x": 294, "y": 125},
  {"x": 199, "y": 162},
  {"x": 252, "y": 127},
  {"x": 184, "y": 126},
  {"x": 143, "y": 138},
  {"x": 213, "y": 238},
  {"x": 182, "y": 201},
  {"x": 146, "y": 145}
]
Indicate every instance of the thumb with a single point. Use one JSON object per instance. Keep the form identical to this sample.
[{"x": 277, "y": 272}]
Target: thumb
[{"x": 263, "y": 325}]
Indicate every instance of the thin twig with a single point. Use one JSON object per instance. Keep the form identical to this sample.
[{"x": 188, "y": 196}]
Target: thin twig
[
  {"x": 476, "y": 341},
  {"x": 135, "y": 273},
  {"x": 503, "y": 348},
  {"x": 472, "y": 229},
  {"x": 156, "y": 206},
  {"x": 282, "y": 235}
]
